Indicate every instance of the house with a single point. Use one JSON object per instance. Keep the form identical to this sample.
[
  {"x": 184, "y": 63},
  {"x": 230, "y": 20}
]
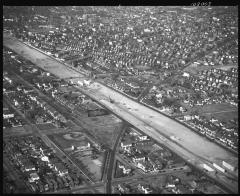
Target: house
[
  {"x": 185, "y": 74},
  {"x": 143, "y": 137},
  {"x": 41, "y": 103},
  {"x": 28, "y": 166},
  {"x": 33, "y": 177},
  {"x": 59, "y": 167},
  {"x": 187, "y": 117},
  {"x": 157, "y": 164},
  {"x": 139, "y": 158},
  {"x": 125, "y": 171},
  {"x": 126, "y": 144},
  {"x": 8, "y": 115},
  {"x": 84, "y": 146},
  {"x": 121, "y": 189},
  {"x": 146, "y": 166},
  {"x": 170, "y": 185},
  {"x": 32, "y": 97},
  {"x": 45, "y": 158},
  {"x": 27, "y": 90},
  {"x": 146, "y": 190},
  {"x": 52, "y": 112}
]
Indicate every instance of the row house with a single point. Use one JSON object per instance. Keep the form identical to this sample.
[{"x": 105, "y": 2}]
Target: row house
[
  {"x": 126, "y": 144},
  {"x": 146, "y": 166},
  {"x": 146, "y": 190},
  {"x": 125, "y": 170},
  {"x": 139, "y": 158}
]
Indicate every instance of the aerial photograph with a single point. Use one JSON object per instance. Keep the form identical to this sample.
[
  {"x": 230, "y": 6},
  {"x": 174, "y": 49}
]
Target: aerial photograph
[{"x": 120, "y": 99}]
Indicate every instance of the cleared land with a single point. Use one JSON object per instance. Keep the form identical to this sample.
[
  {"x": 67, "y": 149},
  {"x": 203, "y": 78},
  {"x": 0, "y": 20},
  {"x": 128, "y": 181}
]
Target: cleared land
[
  {"x": 224, "y": 116},
  {"x": 190, "y": 145},
  {"x": 40, "y": 59},
  {"x": 46, "y": 126},
  {"x": 23, "y": 130},
  {"x": 66, "y": 140},
  {"x": 104, "y": 128},
  {"x": 223, "y": 112},
  {"x": 213, "y": 108},
  {"x": 77, "y": 139},
  {"x": 94, "y": 166}
]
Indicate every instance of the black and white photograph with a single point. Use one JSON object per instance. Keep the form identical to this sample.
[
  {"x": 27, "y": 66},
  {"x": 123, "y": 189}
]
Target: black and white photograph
[{"x": 120, "y": 99}]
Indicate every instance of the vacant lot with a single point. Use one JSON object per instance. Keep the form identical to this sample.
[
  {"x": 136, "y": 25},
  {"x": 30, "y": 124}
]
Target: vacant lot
[
  {"x": 66, "y": 140},
  {"x": 103, "y": 120},
  {"x": 222, "y": 112},
  {"x": 94, "y": 166},
  {"x": 223, "y": 116},
  {"x": 24, "y": 130},
  {"x": 43, "y": 61},
  {"x": 46, "y": 126},
  {"x": 105, "y": 133},
  {"x": 216, "y": 108}
]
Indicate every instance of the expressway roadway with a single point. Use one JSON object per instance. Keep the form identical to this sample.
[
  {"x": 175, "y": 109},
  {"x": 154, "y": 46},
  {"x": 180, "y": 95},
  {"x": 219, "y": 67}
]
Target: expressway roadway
[
  {"x": 111, "y": 160},
  {"x": 190, "y": 146}
]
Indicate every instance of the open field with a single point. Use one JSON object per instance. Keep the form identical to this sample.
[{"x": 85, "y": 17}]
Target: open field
[
  {"x": 24, "y": 130},
  {"x": 222, "y": 112},
  {"x": 105, "y": 133},
  {"x": 223, "y": 116},
  {"x": 101, "y": 190},
  {"x": 103, "y": 120},
  {"x": 94, "y": 166},
  {"x": 216, "y": 108},
  {"x": 70, "y": 124},
  {"x": 191, "y": 146},
  {"x": 77, "y": 139},
  {"x": 66, "y": 140},
  {"x": 46, "y": 126}
]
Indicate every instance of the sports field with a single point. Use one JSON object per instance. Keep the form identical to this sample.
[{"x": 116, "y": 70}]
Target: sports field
[{"x": 223, "y": 112}]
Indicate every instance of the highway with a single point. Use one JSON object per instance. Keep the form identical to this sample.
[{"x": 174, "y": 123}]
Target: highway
[
  {"x": 111, "y": 160},
  {"x": 191, "y": 146}
]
